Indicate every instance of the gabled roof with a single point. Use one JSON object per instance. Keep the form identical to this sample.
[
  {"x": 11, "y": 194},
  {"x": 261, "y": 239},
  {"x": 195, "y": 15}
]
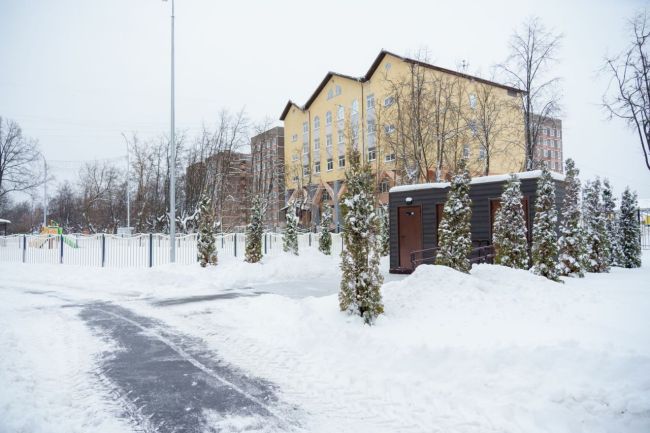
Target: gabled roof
[
  {"x": 373, "y": 69},
  {"x": 383, "y": 53}
]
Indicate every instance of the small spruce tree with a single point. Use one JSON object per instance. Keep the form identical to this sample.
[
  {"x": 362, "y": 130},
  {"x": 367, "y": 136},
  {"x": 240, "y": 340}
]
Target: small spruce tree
[
  {"x": 255, "y": 231},
  {"x": 290, "y": 234},
  {"x": 571, "y": 244},
  {"x": 206, "y": 239},
  {"x": 325, "y": 238},
  {"x": 454, "y": 233},
  {"x": 630, "y": 231},
  {"x": 384, "y": 238},
  {"x": 360, "y": 290},
  {"x": 597, "y": 242},
  {"x": 545, "y": 250},
  {"x": 510, "y": 242},
  {"x": 611, "y": 224}
]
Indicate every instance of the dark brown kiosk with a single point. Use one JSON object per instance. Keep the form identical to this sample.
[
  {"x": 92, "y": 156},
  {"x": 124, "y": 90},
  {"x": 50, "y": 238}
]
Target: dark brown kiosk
[{"x": 416, "y": 212}]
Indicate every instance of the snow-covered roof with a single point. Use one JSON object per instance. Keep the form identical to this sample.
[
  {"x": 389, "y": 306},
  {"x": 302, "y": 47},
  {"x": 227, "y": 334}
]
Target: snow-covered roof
[
  {"x": 534, "y": 174},
  {"x": 644, "y": 203},
  {"x": 4, "y": 221}
]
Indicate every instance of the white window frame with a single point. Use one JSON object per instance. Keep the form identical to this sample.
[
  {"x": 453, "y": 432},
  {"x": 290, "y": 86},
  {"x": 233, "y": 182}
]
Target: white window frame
[
  {"x": 370, "y": 102},
  {"x": 372, "y": 154},
  {"x": 389, "y": 157},
  {"x": 317, "y": 143},
  {"x": 294, "y": 138},
  {"x": 388, "y": 101},
  {"x": 466, "y": 152},
  {"x": 341, "y": 159},
  {"x": 316, "y": 122},
  {"x": 305, "y": 127},
  {"x": 341, "y": 137},
  {"x": 338, "y": 90},
  {"x": 330, "y": 164},
  {"x": 328, "y": 140},
  {"x": 328, "y": 118},
  {"x": 473, "y": 101},
  {"x": 317, "y": 167}
]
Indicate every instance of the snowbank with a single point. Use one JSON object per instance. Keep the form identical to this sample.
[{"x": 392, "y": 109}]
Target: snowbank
[{"x": 497, "y": 350}]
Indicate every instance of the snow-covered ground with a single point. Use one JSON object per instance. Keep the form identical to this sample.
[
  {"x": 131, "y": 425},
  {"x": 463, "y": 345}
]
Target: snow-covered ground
[{"x": 498, "y": 350}]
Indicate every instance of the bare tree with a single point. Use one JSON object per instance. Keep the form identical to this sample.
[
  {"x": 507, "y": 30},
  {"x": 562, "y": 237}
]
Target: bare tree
[
  {"x": 489, "y": 123},
  {"x": 267, "y": 169},
  {"x": 19, "y": 156},
  {"x": 533, "y": 53},
  {"x": 425, "y": 116},
  {"x": 630, "y": 98}
]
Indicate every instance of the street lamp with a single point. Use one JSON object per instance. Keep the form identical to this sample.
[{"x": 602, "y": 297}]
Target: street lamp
[{"x": 172, "y": 181}]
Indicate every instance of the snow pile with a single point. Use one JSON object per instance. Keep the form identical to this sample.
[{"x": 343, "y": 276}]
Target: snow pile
[{"x": 497, "y": 350}]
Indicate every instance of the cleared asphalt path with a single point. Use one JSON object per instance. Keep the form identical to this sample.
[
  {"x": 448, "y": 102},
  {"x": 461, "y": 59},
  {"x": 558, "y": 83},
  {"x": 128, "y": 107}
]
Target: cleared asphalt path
[{"x": 169, "y": 383}]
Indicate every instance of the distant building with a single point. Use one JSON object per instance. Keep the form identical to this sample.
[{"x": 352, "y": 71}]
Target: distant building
[
  {"x": 227, "y": 177},
  {"x": 548, "y": 148},
  {"x": 267, "y": 165}
]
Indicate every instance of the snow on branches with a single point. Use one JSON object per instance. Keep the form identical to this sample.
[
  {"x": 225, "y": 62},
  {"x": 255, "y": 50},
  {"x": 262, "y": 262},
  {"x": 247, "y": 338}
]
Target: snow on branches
[
  {"x": 545, "y": 248},
  {"x": 206, "y": 239},
  {"x": 630, "y": 236},
  {"x": 510, "y": 242},
  {"x": 571, "y": 243},
  {"x": 255, "y": 231},
  {"x": 290, "y": 234},
  {"x": 325, "y": 237}
]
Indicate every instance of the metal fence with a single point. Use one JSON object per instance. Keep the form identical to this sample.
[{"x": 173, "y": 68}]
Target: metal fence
[
  {"x": 142, "y": 250},
  {"x": 644, "y": 218}
]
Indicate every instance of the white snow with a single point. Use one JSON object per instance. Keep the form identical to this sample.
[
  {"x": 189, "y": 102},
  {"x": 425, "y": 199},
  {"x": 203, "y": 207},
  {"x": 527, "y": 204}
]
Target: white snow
[
  {"x": 533, "y": 174},
  {"x": 499, "y": 350}
]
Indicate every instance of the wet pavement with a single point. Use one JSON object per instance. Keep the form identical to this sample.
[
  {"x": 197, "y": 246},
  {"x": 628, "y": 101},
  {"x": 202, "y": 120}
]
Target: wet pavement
[{"x": 169, "y": 382}]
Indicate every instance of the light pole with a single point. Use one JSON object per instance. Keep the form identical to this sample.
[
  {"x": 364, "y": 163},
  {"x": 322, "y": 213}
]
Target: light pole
[
  {"x": 44, "y": 193},
  {"x": 172, "y": 181}
]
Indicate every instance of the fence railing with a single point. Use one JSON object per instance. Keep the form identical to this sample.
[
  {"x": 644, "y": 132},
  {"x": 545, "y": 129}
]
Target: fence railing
[{"x": 142, "y": 250}]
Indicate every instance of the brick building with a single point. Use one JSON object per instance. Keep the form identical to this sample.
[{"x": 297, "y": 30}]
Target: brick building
[
  {"x": 267, "y": 165},
  {"x": 548, "y": 148}
]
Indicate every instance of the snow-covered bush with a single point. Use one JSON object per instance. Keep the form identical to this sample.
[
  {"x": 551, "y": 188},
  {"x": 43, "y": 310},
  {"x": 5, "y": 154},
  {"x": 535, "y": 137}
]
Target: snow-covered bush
[
  {"x": 454, "y": 233},
  {"x": 325, "y": 238},
  {"x": 206, "y": 239},
  {"x": 384, "y": 236},
  {"x": 510, "y": 242},
  {"x": 630, "y": 231},
  {"x": 571, "y": 243},
  {"x": 255, "y": 231},
  {"x": 545, "y": 250},
  {"x": 596, "y": 239},
  {"x": 360, "y": 291},
  {"x": 290, "y": 234}
]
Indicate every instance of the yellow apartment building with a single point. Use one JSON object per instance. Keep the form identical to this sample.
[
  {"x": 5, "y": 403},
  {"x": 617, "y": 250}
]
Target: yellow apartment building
[{"x": 377, "y": 114}]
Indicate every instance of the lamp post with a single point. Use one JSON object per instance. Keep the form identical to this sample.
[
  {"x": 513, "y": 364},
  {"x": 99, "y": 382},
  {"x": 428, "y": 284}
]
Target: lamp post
[
  {"x": 44, "y": 192},
  {"x": 172, "y": 170}
]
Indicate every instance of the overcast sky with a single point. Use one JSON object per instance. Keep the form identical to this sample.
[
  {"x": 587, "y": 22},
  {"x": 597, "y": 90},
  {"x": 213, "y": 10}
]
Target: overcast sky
[{"x": 75, "y": 74}]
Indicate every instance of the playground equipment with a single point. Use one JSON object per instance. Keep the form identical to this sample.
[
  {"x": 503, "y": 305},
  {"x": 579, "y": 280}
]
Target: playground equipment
[{"x": 50, "y": 237}]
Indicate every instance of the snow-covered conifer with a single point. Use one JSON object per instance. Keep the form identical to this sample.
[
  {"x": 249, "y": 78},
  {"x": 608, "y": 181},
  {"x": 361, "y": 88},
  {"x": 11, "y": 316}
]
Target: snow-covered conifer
[
  {"x": 630, "y": 230},
  {"x": 325, "y": 238},
  {"x": 360, "y": 290},
  {"x": 611, "y": 224},
  {"x": 290, "y": 234},
  {"x": 510, "y": 242},
  {"x": 596, "y": 240},
  {"x": 384, "y": 237},
  {"x": 571, "y": 243},
  {"x": 255, "y": 231},
  {"x": 206, "y": 240},
  {"x": 544, "y": 250},
  {"x": 454, "y": 233}
]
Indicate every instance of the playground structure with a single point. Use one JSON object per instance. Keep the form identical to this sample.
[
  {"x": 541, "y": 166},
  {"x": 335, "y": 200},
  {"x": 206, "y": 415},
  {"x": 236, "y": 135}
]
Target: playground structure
[{"x": 50, "y": 237}]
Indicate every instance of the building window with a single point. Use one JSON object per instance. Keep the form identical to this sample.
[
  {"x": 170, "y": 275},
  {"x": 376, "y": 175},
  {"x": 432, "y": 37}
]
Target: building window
[
  {"x": 371, "y": 126},
  {"x": 466, "y": 151},
  {"x": 388, "y": 129},
  {"x": 472, "y": 127},
  {"x": 330, "y": 94},
  {"x": 294, "y": 137},
  {"x": 317, "y": 167},
  {"x": 548, "y": 131},
  {"x": 330, "y": 164},
  {"x": 370, "y": 102},
  {"x": 389, "y": 157},
  {"x": 555, "y": 143},
  {"x": 328, "y": 140},
  {"x": 341, "y": 139},
  {"x": 372, "y": 154},
  {"x": 338, "y": 90},
  {"x": 340, "y": 113},
  {"x": 305, "y": 127},
  {"x": 294, "y": 157},
  {"x": 472, "y": 100},
  {"x": 389, "y": 101},
  {"x": 355, "y": 107},
  {"x": 328, "y": 118},
  {"x": 384, "y": 186},
  {"x": 295, "y": 178},
  {"x": 387, "y": 66},
  {"x": 481, "y": 153},
  {"x": 316, "y": 122},
  {"x": 316, "y": 143},
  {"x": 341, "y": 161},
  {"x": 324, "y": 196},
  {"x": 305, "y": 170}
]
